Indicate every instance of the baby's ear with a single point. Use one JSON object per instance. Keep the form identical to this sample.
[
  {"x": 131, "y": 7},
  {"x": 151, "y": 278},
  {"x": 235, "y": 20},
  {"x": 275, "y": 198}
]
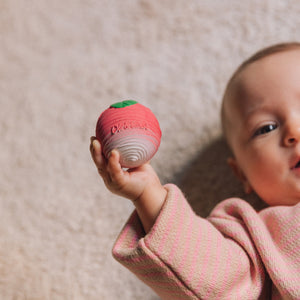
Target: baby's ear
[{"x": 233, "y": 164}]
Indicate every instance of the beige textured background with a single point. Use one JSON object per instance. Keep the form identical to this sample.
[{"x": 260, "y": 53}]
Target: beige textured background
[{"x": 61, "y": 64}]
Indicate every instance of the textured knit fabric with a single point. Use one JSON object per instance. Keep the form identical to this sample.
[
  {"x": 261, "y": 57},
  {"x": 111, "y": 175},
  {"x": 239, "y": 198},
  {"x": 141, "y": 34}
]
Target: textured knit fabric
[{"x": 236, "y": 253}]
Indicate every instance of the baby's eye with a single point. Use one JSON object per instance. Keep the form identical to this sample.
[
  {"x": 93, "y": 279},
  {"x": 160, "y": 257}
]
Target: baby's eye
[{"x": 265, "y": 129}]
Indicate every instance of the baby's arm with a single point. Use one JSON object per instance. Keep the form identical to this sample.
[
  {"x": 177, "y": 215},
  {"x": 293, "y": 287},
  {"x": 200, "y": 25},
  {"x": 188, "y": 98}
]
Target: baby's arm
[
  {"x": 187, "y": 257},
  {"x": 141, "y": 185}
]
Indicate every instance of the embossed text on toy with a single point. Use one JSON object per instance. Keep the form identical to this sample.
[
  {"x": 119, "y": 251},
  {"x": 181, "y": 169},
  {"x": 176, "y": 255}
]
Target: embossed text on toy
[{"x": 128, "y": 125}]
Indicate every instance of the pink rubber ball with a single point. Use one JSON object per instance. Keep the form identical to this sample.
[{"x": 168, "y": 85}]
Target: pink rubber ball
[{"x": 132, "y": 129}]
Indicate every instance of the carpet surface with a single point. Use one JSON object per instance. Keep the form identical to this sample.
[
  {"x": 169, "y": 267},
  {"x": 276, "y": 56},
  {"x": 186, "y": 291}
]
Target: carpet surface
[{"x": 64, "y": 62}]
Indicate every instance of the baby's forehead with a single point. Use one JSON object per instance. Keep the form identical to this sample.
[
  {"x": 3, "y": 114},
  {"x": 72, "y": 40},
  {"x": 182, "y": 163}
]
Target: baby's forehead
[
  {"x": 238, "y": 93},
  {"x": 238, "y": 97},
  {"x": 259, "y": 79},
  {"x": 255, "y": 75},
  {"x": 265, "y": 78}
]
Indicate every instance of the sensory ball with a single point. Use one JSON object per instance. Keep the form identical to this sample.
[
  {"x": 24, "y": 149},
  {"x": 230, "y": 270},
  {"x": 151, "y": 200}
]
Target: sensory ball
[{"x": 132, "y": 129}]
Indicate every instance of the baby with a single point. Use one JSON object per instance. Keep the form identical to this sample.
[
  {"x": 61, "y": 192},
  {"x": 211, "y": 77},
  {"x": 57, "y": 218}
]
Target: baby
[{"x": 237, "y": 252}]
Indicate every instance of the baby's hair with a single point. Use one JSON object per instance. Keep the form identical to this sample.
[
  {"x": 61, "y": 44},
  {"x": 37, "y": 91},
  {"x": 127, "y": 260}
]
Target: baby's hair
[
  {"x": 255, "y": 57},
  {"x": 263, "y": 53}
]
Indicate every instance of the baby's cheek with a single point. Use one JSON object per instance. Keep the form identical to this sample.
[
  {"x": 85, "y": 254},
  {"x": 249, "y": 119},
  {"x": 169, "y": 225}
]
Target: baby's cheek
[{"x": 257, "y": 168}]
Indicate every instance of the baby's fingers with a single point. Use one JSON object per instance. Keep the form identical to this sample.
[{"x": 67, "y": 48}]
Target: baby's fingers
[
  {"x": 114, "y": 168},
  {"x": 96, "y": 154},
  {"x": 118, "y": 180}
]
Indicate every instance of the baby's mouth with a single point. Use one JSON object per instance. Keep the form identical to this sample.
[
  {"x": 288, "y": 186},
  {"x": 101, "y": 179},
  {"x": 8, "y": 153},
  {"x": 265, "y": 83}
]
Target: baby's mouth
[{"x": 297, "y": 165}]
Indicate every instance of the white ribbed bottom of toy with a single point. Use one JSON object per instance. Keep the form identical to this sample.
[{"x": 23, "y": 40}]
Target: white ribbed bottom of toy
[{"x": 134, "y": 150}]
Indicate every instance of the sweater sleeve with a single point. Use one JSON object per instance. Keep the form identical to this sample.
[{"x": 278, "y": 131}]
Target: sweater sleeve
[
  {"x": 275, "y": 232},
  {"x": 188, "y": 257}
]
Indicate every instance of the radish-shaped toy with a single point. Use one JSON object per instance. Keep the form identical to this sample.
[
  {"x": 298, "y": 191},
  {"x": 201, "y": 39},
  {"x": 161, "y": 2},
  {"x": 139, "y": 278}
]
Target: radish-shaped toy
[{"x": 132, "y": 129}]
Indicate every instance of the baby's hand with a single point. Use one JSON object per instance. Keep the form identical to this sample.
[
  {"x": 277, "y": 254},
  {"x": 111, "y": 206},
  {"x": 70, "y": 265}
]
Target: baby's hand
[
  {"x": 130, "y": 184},
  {"x": 141, "y": 185}
]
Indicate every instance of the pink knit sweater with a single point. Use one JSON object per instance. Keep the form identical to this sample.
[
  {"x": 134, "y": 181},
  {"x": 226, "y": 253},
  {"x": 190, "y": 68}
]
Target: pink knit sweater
[{"x": 236, "y": 253}]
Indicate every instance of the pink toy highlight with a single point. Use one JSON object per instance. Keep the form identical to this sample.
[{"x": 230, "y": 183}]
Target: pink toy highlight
[{"x": 132, "y": 129}]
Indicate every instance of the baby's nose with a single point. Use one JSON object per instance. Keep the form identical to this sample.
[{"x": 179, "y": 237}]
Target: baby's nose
[{"x": 292, "y": 134}]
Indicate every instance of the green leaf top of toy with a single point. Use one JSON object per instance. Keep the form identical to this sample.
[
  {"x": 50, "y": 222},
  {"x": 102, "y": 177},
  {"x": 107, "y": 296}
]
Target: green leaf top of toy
[{"x": 123, "y": 104}]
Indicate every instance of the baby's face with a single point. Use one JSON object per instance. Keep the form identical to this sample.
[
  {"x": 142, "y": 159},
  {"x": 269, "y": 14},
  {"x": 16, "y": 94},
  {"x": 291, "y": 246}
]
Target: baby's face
[{"x": 263, "y": 125}]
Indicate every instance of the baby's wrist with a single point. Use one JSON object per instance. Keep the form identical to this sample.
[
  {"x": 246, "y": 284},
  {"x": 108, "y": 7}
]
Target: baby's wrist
[
  {"x": 149, "y": 205},
  {"x": 150, "y": 193}
]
